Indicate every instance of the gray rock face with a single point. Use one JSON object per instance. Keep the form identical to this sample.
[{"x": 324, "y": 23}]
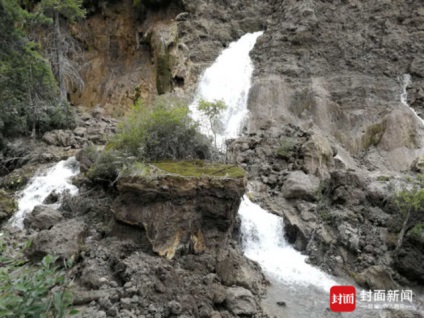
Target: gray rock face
[
  {"x": 376, "y": 277},
  {"x": 64, "y": 240},
  {"x": 240, "y": 301},
  {"x": 314, "y": 69},
  {"x": 61, "y": 138},
  {"x": 43, "y": 218},
  {"x": 299, "y": 185}
]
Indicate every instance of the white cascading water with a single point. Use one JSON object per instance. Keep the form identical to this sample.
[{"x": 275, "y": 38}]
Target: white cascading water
[
  {"x": 264, "y": 242},
  {"x": 57, "y": 178},
  {"x": 406, "y": 80},
  {"x": 228, "y": 79}
]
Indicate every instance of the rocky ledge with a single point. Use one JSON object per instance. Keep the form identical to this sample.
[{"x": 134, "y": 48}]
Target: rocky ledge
[{"x": 192, "y": 212}]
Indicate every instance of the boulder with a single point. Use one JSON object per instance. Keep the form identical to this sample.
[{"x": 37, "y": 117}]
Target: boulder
[
  {"x": 318, "y": 156},
  {"x": 418, "y": 164},
  {"x": 299, "y": 185},
  {"x": 63, "y": 240},
  {"x": 42, "y": 218},
  {"x": 376, "y": 277},
  {"x": 60, "y": 138},
  {"x": 241, "y": 301},
  {"x": 180, "y": 213}
]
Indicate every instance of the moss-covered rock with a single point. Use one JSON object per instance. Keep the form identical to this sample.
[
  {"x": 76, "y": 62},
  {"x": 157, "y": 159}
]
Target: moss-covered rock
[
  {"x": 8, "y": 205},
  {"x": 18, "y": 178}
]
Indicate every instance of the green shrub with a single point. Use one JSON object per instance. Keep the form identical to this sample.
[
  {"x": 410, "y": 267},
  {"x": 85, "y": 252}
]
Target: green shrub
[
  {"x": 107, "y": 166},
  {"x": 32, "y": 291},
  {"x": 165, "y": 131}
]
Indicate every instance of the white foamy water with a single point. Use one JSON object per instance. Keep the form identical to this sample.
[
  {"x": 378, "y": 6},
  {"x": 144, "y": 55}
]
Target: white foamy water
[
  {"x": 406, "y": 80},
  {"x": 228, "y": 79},
  {"x": 57, "y": 178},
  {"x": 264, "y": 242}
]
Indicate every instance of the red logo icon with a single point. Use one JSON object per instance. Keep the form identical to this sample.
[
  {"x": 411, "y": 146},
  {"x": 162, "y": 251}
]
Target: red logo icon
[{"x": 342, "y": 298}]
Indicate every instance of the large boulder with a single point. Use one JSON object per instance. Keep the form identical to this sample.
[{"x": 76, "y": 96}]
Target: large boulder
[
  {"x": 318, "y": 156},
  {"x": 192, "y": 213},
  {"x": 63, "y": 240},
  {"x": 376, "y": 277},
  {"x": 241, "y": 301},
  {"x": 42, "y": 218},
  {"x": 299, "y": 185}
]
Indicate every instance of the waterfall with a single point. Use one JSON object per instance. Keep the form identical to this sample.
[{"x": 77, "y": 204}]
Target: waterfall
[
  {"x": 39, "y": 187},
  {"x": 406, "y": 80},
  {"x": 228, "y": 79},
  {"x": 263, "y": 241}
]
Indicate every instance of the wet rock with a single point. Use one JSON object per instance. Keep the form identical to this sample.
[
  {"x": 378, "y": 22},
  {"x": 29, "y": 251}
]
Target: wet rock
[
  {"x": 299, "y": 185},
  {"x": 42, "y": 218},
  {"x": 376, "y": 277},
  {"x": 53, "y": 197},
  {"x": 240, "y": 301},
  {"x": 63, "y": 239}
]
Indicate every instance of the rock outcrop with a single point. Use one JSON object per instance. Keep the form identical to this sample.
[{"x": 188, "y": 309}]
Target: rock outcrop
[{"x": 180, "y": 213}]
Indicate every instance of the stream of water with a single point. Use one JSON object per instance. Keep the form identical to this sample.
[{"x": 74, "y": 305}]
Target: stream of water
[
  {"x": 303, "y": 287},
  {"x": 56, "y": 178}
]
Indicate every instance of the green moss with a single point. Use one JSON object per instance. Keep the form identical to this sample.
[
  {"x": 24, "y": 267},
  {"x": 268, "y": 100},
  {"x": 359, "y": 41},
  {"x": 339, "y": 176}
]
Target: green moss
[
  {"x": 7, "y": 205},
  {"x": 18, "y": 178},
  {"x": 384, "y": 178},
  {"x": 287, "y": 148},
  {"x": 197, "y": 168}
]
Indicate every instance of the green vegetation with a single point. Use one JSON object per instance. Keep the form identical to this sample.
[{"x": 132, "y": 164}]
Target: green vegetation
[
  {"x": 32, "y": 291},
  {"x": 28, "y": 90},
  {"x": 417, "y": 232},
  {"x": 287, "y": 148},
  {"x": 410, "y": 204},
  {"x": 199, "y": 168},
  {"x": 384, "y": 178},
  {"x": 212, "y": 110},
  {"x": 165, "y": 131}
]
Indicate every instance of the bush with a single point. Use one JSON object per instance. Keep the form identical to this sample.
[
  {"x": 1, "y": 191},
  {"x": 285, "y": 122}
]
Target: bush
[
  {"x": 164, "y": 132},
  {"x": 107, "y": 166},
  {"x": 28, "y": 291}
]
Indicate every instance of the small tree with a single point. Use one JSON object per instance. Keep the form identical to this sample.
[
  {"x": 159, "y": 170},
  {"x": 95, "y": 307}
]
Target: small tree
[{"x": 212, "y": 110}]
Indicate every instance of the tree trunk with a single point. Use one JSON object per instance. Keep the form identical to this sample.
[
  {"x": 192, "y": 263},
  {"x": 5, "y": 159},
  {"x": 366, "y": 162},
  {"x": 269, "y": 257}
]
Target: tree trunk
[
  {"x": 59, "y": 57},
  {"x": 31, "y": 103}
]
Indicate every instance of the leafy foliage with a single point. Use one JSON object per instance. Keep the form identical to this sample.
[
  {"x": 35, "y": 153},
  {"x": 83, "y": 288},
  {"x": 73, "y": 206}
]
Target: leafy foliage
[
  {"x": 27, "y": 291},
  {"x": 165, "y": 131},
  {"x": 212, "y": 110},
  {"x": 28, "y": 91}
]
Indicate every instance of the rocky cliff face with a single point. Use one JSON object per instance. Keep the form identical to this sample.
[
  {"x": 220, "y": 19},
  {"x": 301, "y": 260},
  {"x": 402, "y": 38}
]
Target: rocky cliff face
[
  {"x": 180, "y": 214},
  {"x": 337, "y": 67},
  {"x": 134, "y": 52}
]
